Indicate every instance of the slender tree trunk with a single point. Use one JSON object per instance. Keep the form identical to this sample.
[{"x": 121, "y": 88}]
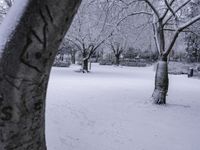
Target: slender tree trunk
[
  {"x": 73, "y": 57},
  {"x": 62, "y": 57},
  {"x": 161, "y": 82},
  {"x": 85, "y": 65},
  {"x": 117, "y": 60},
  {"x": 27, "y": 56}
]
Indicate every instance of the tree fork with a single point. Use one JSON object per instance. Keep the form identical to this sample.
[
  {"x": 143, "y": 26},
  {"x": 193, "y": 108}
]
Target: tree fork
[{"x": 25, "y": 64}]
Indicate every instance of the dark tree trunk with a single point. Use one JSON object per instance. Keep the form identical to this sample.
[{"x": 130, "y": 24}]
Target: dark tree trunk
[
  {"x": 25, "y": 65},
  {"x": 85, "y": 65},
  {"x": 117, "y": 60},
  {"x": 73, "y": 57},
  {"x": 161, "y": 82},
  {"x": 62, "y": 57}
]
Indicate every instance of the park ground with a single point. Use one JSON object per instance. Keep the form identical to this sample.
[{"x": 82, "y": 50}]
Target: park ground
[{"x": 110, "y": 108}]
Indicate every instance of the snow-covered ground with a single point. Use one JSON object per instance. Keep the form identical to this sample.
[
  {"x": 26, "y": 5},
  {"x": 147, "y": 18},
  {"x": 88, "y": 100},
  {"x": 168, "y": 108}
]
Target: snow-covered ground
[{"x": 109, "y": 109}]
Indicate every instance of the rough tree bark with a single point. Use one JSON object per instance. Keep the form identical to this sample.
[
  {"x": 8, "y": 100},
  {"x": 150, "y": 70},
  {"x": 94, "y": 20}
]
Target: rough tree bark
[
  {"x": 85, "y": 65},
  {"x": 25, "y": 64},
  {"x": 163, "y": 22},
  {"x": 73, "y": 57},
  {"x": 161, "y": 82},
  {"x": 117, "y": 60}
]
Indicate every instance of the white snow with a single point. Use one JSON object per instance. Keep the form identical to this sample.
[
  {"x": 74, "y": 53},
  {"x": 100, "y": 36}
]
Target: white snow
[
  {"x": 11, "y": 21},
  {"x": 109, "y": 109}
]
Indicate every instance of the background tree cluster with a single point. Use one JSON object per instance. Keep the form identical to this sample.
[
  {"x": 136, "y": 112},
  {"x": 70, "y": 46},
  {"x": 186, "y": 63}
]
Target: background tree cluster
[
  {"x": 101, "y": 25},
  {"x": 193, "y": 36}
]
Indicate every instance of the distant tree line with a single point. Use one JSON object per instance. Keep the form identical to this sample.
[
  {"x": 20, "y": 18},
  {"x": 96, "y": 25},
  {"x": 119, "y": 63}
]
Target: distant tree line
[{"x": 192, "y": 38}]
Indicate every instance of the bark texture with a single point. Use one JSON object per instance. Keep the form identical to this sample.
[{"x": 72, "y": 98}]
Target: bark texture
[
  {"x": 117, "y": 60},
  {"x": 85, "y": 65},
  {"x": 25, "y": 65},
  {"x": 73, "y": 57},
  {"x": 161, "y": 83}
]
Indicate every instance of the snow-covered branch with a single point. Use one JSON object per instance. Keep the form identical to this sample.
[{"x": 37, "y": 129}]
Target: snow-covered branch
[{"x": 180, "y": 29}]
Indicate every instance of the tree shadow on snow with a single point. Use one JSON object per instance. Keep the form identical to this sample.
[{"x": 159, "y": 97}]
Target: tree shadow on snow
[{"x": 178, "y": 105}]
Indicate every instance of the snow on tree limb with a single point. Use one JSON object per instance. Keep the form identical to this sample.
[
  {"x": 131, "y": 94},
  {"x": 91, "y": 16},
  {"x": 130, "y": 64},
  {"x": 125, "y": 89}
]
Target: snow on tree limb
[
  {"x": 180, "y": 29},
  {"x": 170, "y": 8},
  {"x": 9, "y": 24},
  {"x": 175, "y": 11},
  {"x": 153, "y": 8},
  {"x": 167, "y": 10}
]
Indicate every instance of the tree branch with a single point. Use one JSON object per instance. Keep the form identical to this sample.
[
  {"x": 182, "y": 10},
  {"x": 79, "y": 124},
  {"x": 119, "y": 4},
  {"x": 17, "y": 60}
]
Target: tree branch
[
  {"x": 165, "y": 13},
  {"x": 170, "y": 9},
  {"x": 133, "y": 14},
  {"x": 180, "y": 29},
  {"x": 179, "y": 8},
  {"x": 153, "y": 8}
]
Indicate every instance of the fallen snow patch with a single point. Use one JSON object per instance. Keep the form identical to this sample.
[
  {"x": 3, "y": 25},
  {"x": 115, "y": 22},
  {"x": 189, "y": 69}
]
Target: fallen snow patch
[{"x": 109, "y": 109}]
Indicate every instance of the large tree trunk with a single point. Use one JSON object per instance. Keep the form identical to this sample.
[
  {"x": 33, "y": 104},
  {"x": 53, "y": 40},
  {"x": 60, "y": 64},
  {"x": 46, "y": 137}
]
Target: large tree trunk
[
  {"x": 85, "y": 65},
  {"x": 38, "y": 27},
  {"x": 161, "y": 82}
]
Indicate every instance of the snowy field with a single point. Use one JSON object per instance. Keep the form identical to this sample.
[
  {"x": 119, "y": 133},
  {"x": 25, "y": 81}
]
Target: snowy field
[{"x": 109, "y": 109}]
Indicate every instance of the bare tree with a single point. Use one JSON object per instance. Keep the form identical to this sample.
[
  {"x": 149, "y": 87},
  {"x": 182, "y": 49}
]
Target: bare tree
[
  {"x": 90, "y": 29},
  {"x": 118, "y": 46},
  {"x": 117, "y": 51},
  {"x": 167, "y": 16},
  {"x": 192, "y": 38},
  {"x": 30, "y": 36},
  {"x": 68, "y": 48},
  {"x": 168, "y": 20},
  {"x": 97, "y": 21}
]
